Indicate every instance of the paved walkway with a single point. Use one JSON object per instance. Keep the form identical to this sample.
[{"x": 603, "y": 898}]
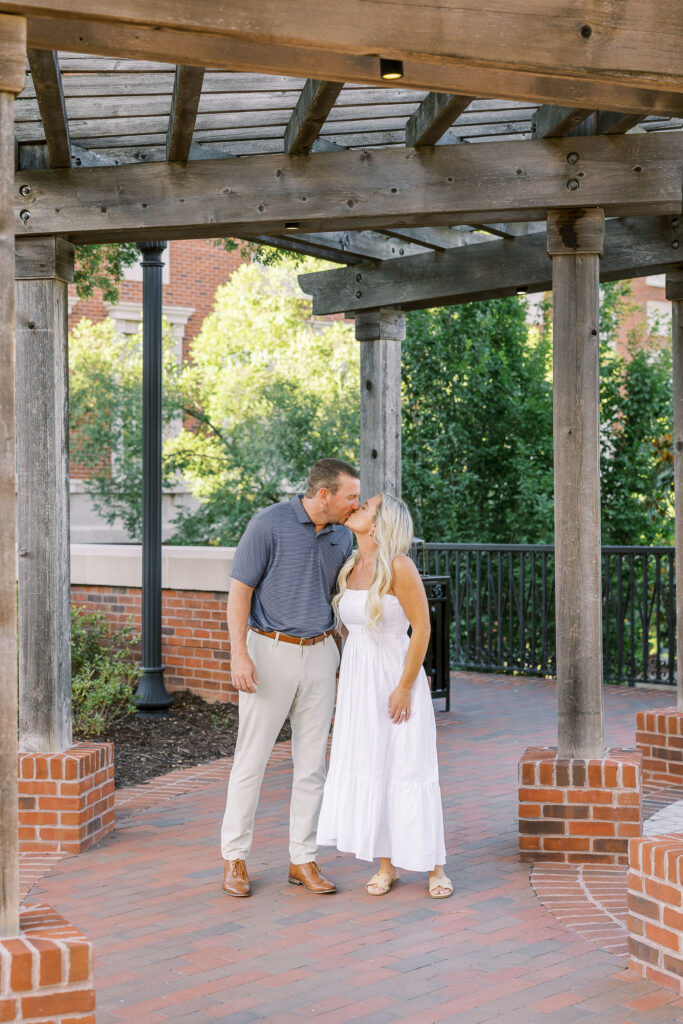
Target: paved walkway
[{"x": 170, "y": 946}]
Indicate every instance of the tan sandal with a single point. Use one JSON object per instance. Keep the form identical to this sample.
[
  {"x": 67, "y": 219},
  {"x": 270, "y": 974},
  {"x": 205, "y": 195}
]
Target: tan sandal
[
  {"x": 440, "y": 882},
  {"x": 384, "y": 881}
]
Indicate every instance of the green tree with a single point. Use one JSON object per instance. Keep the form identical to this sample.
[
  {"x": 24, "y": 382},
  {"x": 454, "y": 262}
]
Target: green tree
[
  {"x": 102, "y": 266},
  {"x": 271, "y": 392},
  {"x": 105, "y": 408},
  {"x": 477, "y": 448},
  {"x": 477, "y": 424},
  {"x": 267, "y": 393}
]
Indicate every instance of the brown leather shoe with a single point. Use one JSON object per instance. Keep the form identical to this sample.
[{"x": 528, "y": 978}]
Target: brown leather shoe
[
  {"x": 236, "y": 879},
  {"x": 309, "y": 876}
]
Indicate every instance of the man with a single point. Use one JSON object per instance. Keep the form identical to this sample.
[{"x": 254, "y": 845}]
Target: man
[{"x": 284, "y": 661}]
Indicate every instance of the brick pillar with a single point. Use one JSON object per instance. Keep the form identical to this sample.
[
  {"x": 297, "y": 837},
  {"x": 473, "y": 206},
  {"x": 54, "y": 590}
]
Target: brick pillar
[
  {"x": 66, "y": 801},
  {"x": 659, "y": 737},
  {"x": 46, "y": 972},
  {"x": 579, "y": 811},
  {"x": 655, "y": 910}
]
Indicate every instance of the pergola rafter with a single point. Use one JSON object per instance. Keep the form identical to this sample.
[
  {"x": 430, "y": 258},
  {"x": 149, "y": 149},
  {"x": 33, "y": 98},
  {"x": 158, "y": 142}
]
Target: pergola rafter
[
  {"x": 310, "y": 114},
  {"x": 187, "y": 90},
  {"x": 47, "y": 82}
]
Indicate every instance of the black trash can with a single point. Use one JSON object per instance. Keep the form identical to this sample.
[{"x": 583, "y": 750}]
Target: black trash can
[{"x": 437, "y": 663}]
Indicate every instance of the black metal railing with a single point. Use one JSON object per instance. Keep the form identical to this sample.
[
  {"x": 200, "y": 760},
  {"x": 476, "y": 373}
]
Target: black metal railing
[{"x": 503, "y": 599}]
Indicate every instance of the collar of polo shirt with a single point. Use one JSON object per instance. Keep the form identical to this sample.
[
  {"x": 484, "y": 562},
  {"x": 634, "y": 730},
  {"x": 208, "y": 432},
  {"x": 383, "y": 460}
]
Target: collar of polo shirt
[{"x": 303, "y": 516}]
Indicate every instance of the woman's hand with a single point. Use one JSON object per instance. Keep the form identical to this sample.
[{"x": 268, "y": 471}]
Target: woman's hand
[{"x": 399, "y": 705}]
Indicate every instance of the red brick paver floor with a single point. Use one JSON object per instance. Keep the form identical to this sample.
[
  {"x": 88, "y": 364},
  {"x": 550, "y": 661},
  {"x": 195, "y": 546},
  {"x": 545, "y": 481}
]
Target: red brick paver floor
[{"x": 170, "y": 946}]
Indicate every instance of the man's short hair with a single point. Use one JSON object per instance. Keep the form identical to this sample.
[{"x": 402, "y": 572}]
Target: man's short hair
[{"x": 326, "y": 473}]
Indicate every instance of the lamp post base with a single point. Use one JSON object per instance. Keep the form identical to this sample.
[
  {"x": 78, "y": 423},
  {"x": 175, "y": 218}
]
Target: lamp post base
[{"x": 152, "y": 699}]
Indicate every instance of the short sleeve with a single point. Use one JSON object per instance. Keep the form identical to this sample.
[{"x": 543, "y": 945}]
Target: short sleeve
[{"x": 253, "y": 552}]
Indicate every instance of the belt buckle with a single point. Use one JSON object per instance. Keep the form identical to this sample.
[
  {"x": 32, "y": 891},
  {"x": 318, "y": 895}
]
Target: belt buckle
[{"x": 301, "y": 641}]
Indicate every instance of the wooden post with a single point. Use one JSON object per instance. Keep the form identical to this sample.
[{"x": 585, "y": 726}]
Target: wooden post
[
  {"x": 12, "y": 73},
  {"x": 380, "y": 332},
  {"x": 674, "y": 291},
  {"x": 43, "y": 268},
  {"x": 575, "y": 243}
]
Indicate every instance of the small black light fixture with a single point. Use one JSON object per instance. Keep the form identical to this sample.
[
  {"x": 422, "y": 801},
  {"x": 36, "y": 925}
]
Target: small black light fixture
[
  {"x": 390, "y": 70},
  {"x": 522, "y": 290},
  {"x": 292, "y": 225}
]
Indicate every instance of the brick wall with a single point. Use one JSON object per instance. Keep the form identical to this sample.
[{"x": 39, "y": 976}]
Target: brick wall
[
  {"x": 195, "y": 646},
  {"x": 197, "y": 267},
  {"x": 577, "y": 811},
  {"x": 46, "y": 973},
  {"x": 655, "y": 914}
]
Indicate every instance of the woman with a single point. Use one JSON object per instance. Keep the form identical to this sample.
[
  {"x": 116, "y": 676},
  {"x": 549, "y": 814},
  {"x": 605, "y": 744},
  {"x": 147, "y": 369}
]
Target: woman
[{"x": 382, "y": 796}]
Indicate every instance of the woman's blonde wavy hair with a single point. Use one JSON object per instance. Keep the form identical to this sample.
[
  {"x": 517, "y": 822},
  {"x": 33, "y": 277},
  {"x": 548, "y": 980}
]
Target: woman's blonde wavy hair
[{"x": 393, "y": 536}]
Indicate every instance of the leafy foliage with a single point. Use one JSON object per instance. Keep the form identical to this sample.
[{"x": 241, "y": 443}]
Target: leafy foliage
[
  {"x": 105, "y": 399},
  {"x": 271, "y": 392},
  {"x": 636, "y": 443},
  {"x": 102, "y": 266},
  {"x": 477, "y": 424},
  {"x": 477, "y": 443},
  {"x": 267, "y": 393},
  {"x": 103, "y": 673}
]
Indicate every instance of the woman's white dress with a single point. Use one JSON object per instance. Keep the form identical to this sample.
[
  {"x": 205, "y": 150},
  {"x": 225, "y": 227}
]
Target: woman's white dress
[{"x": 382, "y": 796}]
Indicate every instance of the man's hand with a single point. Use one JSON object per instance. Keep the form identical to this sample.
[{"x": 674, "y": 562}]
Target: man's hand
[{"x": 243, "y": 673}]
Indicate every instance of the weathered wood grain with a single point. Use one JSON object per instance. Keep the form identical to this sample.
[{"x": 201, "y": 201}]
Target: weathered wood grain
[
  {"x": 632, "y": 174},
  {"x": 550, "y": 122},
  {"x": 621, "y": 59},
  {"x": 434, "y": 117},
  {"x": 42, "y": 425},
  {"x": 576, "y": 231},
  {"x": 47, "y": 82},
  {"x": 674, "y": 292},
  {"x": 12, "y": 64},
  {"x": 380, "y": 333},
  {"x": 309, "y": 115},
  {"x": 187, "y": 91},
  {"x": 634, "y": 247},
  {"x": 576, "y": 446}
]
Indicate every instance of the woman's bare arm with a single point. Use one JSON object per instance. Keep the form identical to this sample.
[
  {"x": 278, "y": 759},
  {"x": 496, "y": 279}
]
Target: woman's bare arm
[{"x": 410, "y": 591}]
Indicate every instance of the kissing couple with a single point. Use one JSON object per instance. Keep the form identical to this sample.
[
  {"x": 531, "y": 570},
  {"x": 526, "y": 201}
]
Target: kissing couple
[{"x": 297, "y": 587}]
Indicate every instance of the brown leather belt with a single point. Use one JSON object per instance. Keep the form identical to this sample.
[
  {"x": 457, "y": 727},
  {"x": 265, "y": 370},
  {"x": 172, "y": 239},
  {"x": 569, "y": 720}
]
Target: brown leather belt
[{"x": 301, "y": 641}]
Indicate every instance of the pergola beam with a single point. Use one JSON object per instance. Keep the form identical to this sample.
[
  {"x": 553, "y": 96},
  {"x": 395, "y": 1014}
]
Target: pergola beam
[
  {"x": 488, "y": 270},
  {"x": 309, "y": 115},
  {"x": 616, "y": 59},
  {"x": 434, "y": 117},
  {"x": 47, "y": 82},
  {"x": 354, "y": 190},
  {"x": 550, "y": 122},
  {"x": 187, "y": 91}
]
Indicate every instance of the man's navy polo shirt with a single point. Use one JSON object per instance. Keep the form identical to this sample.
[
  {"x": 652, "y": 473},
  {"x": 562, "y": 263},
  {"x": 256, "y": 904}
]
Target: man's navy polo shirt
[{"x": 292, "y": 569}]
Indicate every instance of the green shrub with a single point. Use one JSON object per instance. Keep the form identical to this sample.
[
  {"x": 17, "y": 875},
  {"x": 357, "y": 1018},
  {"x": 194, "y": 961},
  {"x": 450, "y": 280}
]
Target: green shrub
[{"x": 103, "y": 673}]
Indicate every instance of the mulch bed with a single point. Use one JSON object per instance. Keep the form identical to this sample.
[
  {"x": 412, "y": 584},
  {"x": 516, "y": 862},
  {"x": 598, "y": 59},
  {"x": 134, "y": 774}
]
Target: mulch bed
[{"x": 193, "y": 732}]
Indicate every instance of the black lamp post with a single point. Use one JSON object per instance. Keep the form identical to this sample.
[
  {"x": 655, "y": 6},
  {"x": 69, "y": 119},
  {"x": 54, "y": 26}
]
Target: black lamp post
[{"x": 152, "y": 698}]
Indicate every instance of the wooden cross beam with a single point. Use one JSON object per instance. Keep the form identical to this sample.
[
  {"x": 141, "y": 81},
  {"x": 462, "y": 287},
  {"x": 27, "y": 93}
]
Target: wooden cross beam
[
  {"x": 615, "y": 57},
  {"x": 434, "y": 117},
  {"x": 187, "y": 91},
  {"x": 47, "y": 82},
  {"x": 489, "y": 270},
  {"x": 309, "y": 115},
  {"x": 269, "y": 195},
  {"x": 551, "y": 122}
]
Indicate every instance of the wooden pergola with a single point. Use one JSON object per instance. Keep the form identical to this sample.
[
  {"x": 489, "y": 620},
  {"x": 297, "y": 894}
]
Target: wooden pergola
[{"x": 425, "y": 147}]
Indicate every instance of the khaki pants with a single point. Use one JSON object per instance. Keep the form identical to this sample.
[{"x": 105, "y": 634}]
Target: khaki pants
[{"x": 294, "y": 680}]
